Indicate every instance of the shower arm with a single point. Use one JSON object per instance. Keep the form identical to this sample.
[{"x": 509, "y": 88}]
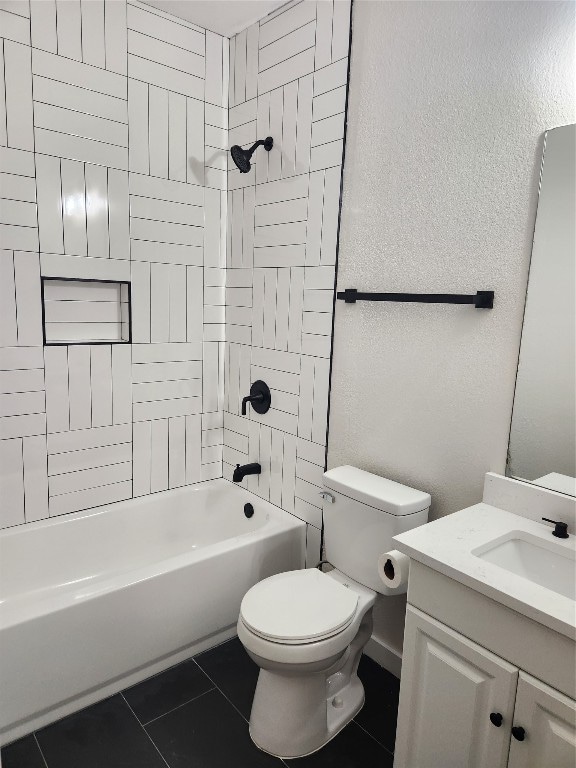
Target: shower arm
[{"x": 259, "y": 143}]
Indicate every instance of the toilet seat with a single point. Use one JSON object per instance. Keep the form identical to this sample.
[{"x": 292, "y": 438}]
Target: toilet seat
[{"x": 298, "y": 607}]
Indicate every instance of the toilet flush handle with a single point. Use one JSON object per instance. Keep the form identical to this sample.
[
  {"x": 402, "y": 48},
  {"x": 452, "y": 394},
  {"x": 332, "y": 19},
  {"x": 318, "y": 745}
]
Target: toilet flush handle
[{"x": 327, "y": 497}]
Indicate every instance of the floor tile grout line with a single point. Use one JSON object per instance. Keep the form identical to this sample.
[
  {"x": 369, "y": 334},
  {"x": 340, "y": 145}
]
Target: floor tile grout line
[
  {"x": 226, "y": 697},
  {"x": 178, "y": 663},
  {"x": 145, "y": 731},
  {"x": 223, "y": 694},
  {"x": 40, "y": 749},
  {"x": 194, "y": 698},
  {"x": 373, "y": 737},
  {"x": 246, "y": 720}
]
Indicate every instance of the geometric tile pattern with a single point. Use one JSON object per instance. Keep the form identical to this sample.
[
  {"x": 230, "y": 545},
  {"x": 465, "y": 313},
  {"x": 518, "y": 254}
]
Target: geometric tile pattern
[
  {"x": 115, "y": 124},
  {"x": 16, "y": 111},
  {"x": 93, "y": 33},
  {"x": 104, "y": 108},
  {"x": 20, "y": 299},
  {"x": 89, "y": 467},
  {"x": 71, "y": 123},
  {"x": 288, "y": 76},
  {"x": 175, "y": 76},
  {"x": 87, "y": 386},
  {"x": 82, "y": 209},
  {"x": 18, "y": 217},
  {"x": 23, "y": 479}
]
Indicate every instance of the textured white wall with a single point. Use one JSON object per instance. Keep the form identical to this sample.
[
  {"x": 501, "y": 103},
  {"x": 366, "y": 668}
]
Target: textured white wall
[{"x": 448, "y": 104}]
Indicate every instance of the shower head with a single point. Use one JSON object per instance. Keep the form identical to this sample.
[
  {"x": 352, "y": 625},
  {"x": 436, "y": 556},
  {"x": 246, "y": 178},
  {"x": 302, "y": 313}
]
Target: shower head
[{"x": 242, "y": 156}]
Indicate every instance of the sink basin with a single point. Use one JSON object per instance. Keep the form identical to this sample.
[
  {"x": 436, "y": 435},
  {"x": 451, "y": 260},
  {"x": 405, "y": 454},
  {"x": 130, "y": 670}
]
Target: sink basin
[{"x": 542, "y": 562}]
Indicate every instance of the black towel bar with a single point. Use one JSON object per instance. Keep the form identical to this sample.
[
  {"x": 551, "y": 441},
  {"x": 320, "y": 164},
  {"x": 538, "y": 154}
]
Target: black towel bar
[{"x": 481, "y": 299}]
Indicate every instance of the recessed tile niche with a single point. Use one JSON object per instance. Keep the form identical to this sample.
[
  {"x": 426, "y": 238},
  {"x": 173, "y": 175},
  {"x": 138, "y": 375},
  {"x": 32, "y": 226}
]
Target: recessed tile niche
[{"x": 85, "y": 311}]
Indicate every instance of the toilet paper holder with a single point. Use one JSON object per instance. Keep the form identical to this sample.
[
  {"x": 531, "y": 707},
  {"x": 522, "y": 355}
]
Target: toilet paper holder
[
  {"x": 389, "y": 569},
  {"x": 327, "y": 497},
  {"x": 394, "y": 569}
]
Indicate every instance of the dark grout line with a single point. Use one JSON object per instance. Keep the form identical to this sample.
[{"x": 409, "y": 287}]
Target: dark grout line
[
  {"x": 372, "y": 737},
  {"x": 80, "y": 111},
  {"x": 220, "y": 690},
  {"x": 168, "y": 17},
  {"x": 161, "y": 40},
  {"x": 83, "y": 138},
  {"x": 283, "y": 61},
  {"x": 145, "y": 731},
  {"x": 165, "y": 221},
  {"x": 148, "y": 722},
  {"x": 173, "y": 69},
  {"x": 306, "y": 23}
]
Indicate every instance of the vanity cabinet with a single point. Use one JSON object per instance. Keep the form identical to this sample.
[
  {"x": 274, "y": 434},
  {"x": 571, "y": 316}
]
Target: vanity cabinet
[
  {"x": 548, "y": 718},
  {"x": 462, "y": 706},
  {"x": 449, "y": 688}
]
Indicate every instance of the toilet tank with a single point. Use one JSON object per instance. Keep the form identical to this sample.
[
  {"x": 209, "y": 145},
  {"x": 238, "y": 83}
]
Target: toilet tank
[{"x": 368, "y": 510}]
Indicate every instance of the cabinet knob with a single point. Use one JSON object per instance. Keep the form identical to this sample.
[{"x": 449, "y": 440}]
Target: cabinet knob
[
  {"x": 496, "y": 719},
  {"x": 519, "y": 733}
]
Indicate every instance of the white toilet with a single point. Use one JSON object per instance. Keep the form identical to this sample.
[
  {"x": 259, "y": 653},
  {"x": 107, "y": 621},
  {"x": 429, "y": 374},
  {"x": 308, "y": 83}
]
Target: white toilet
[{"x": 306, "y": 629}]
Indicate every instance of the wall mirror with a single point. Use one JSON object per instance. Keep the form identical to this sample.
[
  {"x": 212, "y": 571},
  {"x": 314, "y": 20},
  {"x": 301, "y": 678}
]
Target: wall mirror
[{"x": 542, "y": 447}]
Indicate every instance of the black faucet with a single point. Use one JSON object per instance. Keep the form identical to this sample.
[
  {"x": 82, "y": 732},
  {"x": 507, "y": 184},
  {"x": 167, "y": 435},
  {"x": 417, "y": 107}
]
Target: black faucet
[
  {"x": 259, "y": 397},
  {"x": 560, "y": 529},
  {"x": 254, "y": 399},
  {"x": 246, "y": 469}
]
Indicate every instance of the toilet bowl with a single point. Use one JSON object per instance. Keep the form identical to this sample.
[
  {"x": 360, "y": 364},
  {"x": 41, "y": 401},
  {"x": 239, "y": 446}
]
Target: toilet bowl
[{"x": 306, "y": 630}]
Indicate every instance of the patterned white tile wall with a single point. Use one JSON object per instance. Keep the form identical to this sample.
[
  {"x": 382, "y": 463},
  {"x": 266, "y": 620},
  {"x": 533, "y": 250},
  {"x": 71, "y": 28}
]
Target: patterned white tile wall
[
  {"x": 115, "y": 166},
  {"x": 288, "y": 79},
  {"x": 113, "y": 146}
]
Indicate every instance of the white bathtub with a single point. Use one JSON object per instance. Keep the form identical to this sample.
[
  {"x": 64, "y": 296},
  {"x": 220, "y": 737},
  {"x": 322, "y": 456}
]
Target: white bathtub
[{"x": 98, "y": 600}]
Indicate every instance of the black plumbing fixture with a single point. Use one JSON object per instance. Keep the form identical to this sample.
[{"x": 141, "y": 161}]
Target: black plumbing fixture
[
  {"x": 242, "y": 156},
  {"x": 481, "y": 299},
  {"x": 246, "y": 469},
  {"x": 560, "y": 529},
  {"x": 248, "y": 510},
  {"x": 260, "y": 398}
]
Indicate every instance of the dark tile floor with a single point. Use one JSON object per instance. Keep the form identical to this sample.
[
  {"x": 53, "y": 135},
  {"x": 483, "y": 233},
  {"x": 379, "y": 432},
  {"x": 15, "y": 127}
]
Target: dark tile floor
[{"x": 195, "y": 715}]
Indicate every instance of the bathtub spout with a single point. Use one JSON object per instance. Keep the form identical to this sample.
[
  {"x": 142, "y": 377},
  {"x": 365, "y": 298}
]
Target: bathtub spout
[{"x": 246, "y": 469}]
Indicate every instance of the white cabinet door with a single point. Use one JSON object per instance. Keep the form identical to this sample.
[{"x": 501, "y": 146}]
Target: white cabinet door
[
  {"x": 547, "y": 720},
  {"x": 449, "y": 688}
]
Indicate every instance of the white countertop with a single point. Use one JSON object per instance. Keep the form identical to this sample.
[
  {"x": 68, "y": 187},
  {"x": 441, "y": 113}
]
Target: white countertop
[{"x": 446, "y": 545}]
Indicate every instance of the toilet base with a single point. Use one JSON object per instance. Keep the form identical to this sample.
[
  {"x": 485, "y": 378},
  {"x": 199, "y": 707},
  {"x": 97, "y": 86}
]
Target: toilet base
[
  {"x": 297, "y": 711},
  {"x": 353, "y": 703}
]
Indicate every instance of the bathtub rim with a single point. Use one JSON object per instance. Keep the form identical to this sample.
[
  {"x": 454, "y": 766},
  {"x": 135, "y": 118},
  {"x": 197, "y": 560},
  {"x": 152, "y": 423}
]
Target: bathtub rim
[
  {"x": 15, "y": 611},
  {"x": 102, "y": 509}
]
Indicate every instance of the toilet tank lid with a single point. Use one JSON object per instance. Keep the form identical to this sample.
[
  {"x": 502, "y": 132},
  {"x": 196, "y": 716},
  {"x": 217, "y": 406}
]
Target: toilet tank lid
[{"x": 387, "y": 495}]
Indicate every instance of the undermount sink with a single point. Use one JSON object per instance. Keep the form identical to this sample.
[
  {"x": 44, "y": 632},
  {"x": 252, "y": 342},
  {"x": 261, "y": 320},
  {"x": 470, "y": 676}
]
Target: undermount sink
[{"x": 545, "y": 563}]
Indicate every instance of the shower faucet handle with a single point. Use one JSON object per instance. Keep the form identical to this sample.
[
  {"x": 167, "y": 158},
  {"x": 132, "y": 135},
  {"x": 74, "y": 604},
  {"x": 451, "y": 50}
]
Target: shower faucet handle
[
  {"x": 257, "y": 398},
  {"x": 260, "y": 397}
]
